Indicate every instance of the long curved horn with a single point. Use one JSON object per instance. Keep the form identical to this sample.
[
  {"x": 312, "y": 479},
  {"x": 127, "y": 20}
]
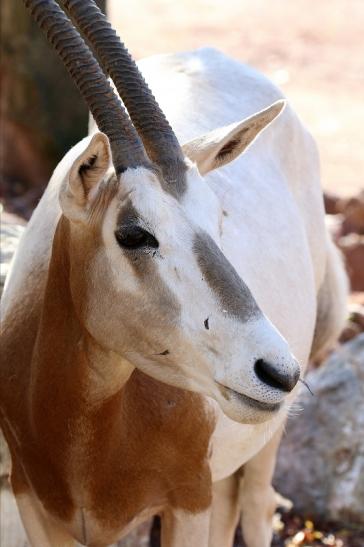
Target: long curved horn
[
  {"x": 111, "y": 118},
  {"x": 157, "y": 135}
]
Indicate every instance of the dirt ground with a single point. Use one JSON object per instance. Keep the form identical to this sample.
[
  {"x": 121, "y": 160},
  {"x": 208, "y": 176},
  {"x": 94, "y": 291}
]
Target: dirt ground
[{"x": 312, "y": 49}]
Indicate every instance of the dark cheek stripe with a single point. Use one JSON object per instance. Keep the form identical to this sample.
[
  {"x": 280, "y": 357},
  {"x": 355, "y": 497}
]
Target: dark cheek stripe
[{"x": 231, "y": 291}]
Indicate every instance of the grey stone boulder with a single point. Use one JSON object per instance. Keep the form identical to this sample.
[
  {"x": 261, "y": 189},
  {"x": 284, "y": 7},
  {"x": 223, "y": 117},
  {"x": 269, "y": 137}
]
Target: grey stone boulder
[{"x": 320, "y": 464}]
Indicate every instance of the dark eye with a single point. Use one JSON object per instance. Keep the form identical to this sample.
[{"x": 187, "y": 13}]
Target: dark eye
[{"x": 134, "y": 237}]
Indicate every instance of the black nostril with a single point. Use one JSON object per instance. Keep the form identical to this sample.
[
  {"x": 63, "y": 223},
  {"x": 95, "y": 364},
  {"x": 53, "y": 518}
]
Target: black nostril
[{"x": 268, "y": 374}]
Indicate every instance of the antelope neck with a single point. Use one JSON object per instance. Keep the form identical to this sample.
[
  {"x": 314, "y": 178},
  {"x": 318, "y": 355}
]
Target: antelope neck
[{"x": 67, "y": 361}]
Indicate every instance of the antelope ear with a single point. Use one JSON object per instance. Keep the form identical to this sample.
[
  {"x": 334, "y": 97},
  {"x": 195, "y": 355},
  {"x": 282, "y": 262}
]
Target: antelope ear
[
  {"x": 89, "y": 169},
  {"x": 81, "y": 186},
  {"x": 225, "y": 144}
]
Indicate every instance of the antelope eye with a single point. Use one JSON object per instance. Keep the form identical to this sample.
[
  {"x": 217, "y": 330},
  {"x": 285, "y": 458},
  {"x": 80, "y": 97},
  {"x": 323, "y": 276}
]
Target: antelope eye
[{"x": 135, "y": 237}]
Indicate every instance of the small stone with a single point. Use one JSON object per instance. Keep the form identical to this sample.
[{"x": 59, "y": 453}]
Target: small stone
[
  {"x": 354, "y": 215},
  {"x": 350, "y": 331},
  {"x": 352, "y": 246},
  {"x": 332, "y": 204}
]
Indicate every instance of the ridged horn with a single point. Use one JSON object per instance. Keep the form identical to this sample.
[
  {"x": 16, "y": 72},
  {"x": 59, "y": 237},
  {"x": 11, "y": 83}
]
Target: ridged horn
[
  {"x": 156, "y": 133},
  {"x": 110, "y": 116}
]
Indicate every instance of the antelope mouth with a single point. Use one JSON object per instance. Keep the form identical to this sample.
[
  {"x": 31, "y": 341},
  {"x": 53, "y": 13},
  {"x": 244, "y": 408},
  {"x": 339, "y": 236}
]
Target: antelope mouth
[{"x": 230, "y": 394}]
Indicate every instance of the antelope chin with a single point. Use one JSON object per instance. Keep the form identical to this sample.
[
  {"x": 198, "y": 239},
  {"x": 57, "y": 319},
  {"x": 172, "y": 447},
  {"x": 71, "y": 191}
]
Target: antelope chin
[{"x": 244, "y": 409}]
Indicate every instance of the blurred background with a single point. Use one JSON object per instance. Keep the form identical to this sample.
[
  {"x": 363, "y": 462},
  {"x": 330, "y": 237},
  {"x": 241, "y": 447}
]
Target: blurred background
[{"x": 314, "y": 51}]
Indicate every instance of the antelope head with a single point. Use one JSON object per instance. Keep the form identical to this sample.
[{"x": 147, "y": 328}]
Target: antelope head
[{"x": 149, "y": 280}]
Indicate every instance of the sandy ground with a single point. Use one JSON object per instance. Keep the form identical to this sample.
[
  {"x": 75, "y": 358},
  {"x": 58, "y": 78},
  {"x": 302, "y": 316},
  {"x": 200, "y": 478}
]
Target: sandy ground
[{"x": 313, "y": 49}]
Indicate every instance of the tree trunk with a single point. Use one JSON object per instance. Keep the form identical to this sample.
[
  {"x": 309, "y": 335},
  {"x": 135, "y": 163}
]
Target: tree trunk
[{"x": 42, "y": 114}]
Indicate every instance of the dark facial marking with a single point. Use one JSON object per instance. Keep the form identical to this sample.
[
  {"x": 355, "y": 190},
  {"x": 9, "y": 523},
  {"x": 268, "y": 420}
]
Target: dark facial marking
[
  {"x": 127, "y": 214},
  {"x": 145, "y": 267},
  {"x": 234, "y": 296},
  {"x": 206, "y": 323},
  {"x": 172, "y": 178},
  {"x": 136, "y": 242}
]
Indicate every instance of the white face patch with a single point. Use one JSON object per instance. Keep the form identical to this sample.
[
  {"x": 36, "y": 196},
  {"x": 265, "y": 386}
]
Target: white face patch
[{"x": 208, "y": 216}]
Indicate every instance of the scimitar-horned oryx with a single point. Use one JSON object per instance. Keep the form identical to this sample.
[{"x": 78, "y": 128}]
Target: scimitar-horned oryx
[{"x": 164, "y": 300}]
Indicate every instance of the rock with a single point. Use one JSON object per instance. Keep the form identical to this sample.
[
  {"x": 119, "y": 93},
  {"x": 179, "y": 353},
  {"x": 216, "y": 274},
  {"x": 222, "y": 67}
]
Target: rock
[
  {"x": 350, "y": 331},
  {"x": 321, "y": 459},
  {"x": 356, "y": 313},
  {"x": 352, "y": 247},
  {"x": 353, "y": 211},
  {"x": 332, "y": 204},
  {"x": 355, "y": 322}
]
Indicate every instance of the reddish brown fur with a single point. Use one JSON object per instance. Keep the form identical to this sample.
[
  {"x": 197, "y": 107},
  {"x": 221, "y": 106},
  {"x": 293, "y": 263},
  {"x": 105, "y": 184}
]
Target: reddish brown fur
[{"x": 143, "y": 446}]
